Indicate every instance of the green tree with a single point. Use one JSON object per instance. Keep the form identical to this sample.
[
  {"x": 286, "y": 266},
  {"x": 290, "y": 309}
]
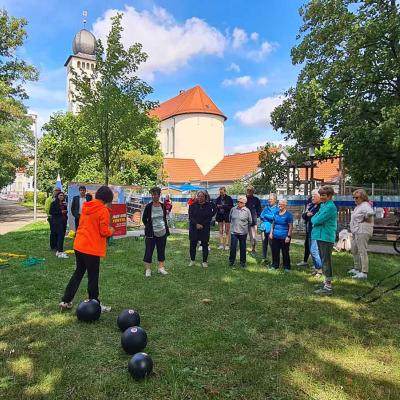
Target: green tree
[
  {"x": 349, "y": 85},
  {"x": 112, "y": 102},
  {"x": 15, "y": 133},
  {"x": 273, "y": 169}
]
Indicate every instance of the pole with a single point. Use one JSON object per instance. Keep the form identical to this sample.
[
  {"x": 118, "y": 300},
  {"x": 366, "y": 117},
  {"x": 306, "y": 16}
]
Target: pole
[{"x": 35, "y": 175}]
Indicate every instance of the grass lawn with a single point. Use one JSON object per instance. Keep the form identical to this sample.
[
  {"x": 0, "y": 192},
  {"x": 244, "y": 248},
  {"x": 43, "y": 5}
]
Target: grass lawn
[{"x": 263, "y": 336}]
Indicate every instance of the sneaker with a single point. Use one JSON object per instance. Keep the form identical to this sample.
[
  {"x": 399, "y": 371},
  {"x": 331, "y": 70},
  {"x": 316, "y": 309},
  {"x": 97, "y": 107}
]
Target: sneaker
[
  {"x": 302, "y": 264},
  {"x": 360, "y": 275},
  {"x": 326, "y": 291},
  {"x": 105, "y": 308},
  {"x": 227, "y": 248},
  {"x": 65, "y": 306},
  {"x": 287, "y": 270},
  {"x": 242, "y": 265},
  {"x": 220, "y": 247},
  {"x": 192, "y": 263},
  {"x": 62, "y": 255},
  {"x": 162, "y": 271},
  {"x": 57, "y": 253},
  {"x": 316, "y": 273},
  {"x": 204, "y": 264},
  {"x": 148, "y": 273},
  {"x": 353, "y": 271},
  {"x": 253, "y": 253}
]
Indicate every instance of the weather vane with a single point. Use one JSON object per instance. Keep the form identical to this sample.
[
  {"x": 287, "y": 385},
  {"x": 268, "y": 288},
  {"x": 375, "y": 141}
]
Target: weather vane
[{"x": 84, "y": 14}]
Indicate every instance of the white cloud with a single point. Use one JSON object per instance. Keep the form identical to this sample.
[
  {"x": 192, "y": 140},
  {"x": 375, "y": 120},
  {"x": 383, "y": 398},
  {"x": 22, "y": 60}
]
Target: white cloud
[
  {"x": 245, "y": 81},
  {"x": 38, "y": 92},
  {"x": 265, "y": 49},
  {"x": 169, "y": 44},
  {"x": 239, "y": 38},
  {"x": 254, "y": 36},
  {"x": 246, "y": 147},
  {"x": 233, "y": 67},
  {"x": 263, "y": 81},
  {"x": 259, "y": 115}
]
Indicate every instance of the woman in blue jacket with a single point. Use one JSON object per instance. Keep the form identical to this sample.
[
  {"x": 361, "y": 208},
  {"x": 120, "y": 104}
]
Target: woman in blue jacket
[
  {"x": 267, "y": 217},
  {"x": 324, "y": 224}
]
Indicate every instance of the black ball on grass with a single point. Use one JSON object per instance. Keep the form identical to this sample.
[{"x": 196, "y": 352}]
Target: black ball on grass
[
  {"x": 140, "y": 365},
  {"x": 88, "y": 311},
  {"x": 134, "y": 340},
  {"x": 127, "y": 319}
]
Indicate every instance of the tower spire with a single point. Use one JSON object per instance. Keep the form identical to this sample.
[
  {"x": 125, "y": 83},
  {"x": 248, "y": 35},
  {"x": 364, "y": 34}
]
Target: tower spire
[{"x": 84, "y": 15}]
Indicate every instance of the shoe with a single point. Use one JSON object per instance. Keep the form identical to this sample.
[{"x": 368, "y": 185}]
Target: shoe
[
  {"x": 220, "y": 247},
  {"x": 105, "y": 308},
  {"x": 360, "y": 275},
  {"x": 162, "y": 271},
  {"x": 316, "y": 273},
  {"x": 353, "y": 271},
  {"x": 287, "y": 270},
  {"x": 57, "y": 253},
  {"x": 253, "y": 253},
  {"x": 227, "y": 247},
  {"x": 192, "y": 263},
  {"x": 148, "y": 273},
  {"x": 65, "y": 306},
  {"x": 62, "y": 255},
  {"x": 302, "y": 264},
  {"x": 324, "y": 291},
  {"x": 242, "y": 265},
  {"x": 204, "y": 265}
]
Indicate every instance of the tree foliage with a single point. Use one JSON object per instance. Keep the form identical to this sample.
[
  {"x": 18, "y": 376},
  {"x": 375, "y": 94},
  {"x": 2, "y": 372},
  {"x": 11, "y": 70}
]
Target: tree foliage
[
  {"x": 273, "y": 170},
  {"x": 15, "y": 133},
  {"x": 349, "y": 85},
  {"x": 113, "y": 103}
]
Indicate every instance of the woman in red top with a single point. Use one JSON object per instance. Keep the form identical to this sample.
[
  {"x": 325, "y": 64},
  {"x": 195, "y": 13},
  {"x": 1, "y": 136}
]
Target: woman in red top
[{"x": 90, "y": 245}]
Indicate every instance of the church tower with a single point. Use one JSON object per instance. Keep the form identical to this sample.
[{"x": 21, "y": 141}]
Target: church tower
[{"x": 82, "y": 61}]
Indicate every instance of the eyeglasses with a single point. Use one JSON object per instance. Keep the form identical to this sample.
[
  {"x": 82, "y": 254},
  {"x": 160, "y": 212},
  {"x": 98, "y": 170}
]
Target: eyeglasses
[
  {"x": 356, "y": 197},
  {"x": 241, "y": 202}
]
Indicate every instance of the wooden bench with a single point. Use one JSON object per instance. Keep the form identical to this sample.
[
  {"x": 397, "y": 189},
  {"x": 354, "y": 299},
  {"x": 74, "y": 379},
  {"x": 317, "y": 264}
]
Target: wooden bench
[{"x": 390, "y": 233}]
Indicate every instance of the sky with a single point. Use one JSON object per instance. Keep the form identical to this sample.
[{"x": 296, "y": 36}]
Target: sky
[{"x": 237, "y": 50}]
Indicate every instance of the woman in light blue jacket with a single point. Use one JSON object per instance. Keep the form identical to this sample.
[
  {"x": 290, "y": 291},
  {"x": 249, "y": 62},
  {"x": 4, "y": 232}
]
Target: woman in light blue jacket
[
  {"x": 324, "y": 224},
  {"x": 267, "y": 217}
]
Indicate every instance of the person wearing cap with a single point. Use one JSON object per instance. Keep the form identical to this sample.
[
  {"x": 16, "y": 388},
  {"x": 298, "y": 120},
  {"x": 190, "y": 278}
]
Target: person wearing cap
[
  {"x": 47, "y": 205},
  {"x": 77, "y": 204}
]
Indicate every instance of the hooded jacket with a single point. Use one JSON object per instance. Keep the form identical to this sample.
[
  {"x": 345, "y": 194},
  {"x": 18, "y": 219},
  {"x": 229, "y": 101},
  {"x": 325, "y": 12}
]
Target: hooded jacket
[{"x": 94, "y": 228}]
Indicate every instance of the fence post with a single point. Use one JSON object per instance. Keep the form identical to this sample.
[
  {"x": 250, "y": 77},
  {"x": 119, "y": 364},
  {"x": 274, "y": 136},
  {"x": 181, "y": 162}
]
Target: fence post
[{"x": 372, "y": 189}]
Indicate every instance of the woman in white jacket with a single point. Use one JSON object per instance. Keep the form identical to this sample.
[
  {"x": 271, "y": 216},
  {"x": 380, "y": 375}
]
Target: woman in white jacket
[{"x": 361, "y": 226}]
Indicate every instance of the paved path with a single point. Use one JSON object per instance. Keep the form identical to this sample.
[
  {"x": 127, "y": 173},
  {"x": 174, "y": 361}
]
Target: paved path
[
  {"x": 372, "y": 246},
  {"x": 13, "y": 216}
]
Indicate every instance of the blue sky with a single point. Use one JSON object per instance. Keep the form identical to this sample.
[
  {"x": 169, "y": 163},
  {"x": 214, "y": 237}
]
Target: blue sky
[{"x": 238, "y": 51}]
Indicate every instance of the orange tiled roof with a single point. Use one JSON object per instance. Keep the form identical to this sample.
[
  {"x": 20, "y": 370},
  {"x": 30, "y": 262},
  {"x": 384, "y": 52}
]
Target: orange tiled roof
[
  {"x": 182, "y": 170},
  {"x": 326, "y": 170},
  {"x": 234, "y": 167},
  {"x": 194, "y": 100}
]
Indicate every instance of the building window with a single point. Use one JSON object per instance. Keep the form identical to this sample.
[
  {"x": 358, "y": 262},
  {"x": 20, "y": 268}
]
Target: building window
[
  {"x": 173, "y": 140},
  {"x": 79, "y": 64},
  {"x": 87, "y": 66},
  {"x": 92, "y": 67},
  {"x": 83, "y": 65},
  {"x": 167, "y": 141},
  {"x": 28, "y": 185}
]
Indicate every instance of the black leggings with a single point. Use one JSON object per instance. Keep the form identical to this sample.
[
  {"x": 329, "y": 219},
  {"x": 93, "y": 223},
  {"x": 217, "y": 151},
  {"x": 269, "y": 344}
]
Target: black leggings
[
  {"x": 151, "y": 243},
  {"x": 91, "y": 264},
  {"x": 59, "y": 231},
  {"x": 193, "y": 246},
  {"x": 276, "y": 246}
]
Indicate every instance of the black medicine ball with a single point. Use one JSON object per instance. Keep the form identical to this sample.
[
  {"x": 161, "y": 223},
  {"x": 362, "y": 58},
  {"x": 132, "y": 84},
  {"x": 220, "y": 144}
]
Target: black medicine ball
[
  {"x": 134, "y": 340},
  {"x": 88, "y": 310},
  {"x": 127, "y": 319}
]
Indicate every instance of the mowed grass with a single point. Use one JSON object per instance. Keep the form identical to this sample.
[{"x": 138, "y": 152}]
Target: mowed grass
[{"x": 262, "y": 336}]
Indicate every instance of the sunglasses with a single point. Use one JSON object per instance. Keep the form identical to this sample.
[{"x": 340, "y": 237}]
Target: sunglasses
[{"x": 241, "y": 202}]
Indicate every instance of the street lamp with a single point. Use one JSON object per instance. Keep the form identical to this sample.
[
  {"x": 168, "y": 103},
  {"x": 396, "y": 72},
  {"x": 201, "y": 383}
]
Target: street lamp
[
  {"x": 311, "y": 154},
  {"x": 34, "y": 117}
]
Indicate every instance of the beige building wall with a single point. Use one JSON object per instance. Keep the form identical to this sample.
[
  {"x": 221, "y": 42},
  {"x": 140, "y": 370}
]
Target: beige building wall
[
  {"x": 197, "y": 136},
  {"x": 81, "y": 66}
]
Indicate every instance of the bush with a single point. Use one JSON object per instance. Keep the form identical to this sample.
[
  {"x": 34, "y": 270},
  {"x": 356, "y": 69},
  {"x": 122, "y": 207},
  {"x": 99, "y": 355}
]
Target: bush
[{"x": 41, "y": 197}]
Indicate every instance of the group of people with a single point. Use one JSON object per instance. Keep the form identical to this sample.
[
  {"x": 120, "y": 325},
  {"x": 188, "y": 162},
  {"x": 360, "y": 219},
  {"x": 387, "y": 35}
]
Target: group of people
[{"x": 236, "y": 222}]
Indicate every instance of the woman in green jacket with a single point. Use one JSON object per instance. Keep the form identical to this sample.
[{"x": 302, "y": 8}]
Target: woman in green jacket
[{"x": 324, "y": 224}]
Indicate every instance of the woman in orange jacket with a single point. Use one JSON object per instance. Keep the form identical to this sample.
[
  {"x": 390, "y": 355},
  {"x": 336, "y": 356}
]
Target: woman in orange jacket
[{"x": 90, "y": 245}]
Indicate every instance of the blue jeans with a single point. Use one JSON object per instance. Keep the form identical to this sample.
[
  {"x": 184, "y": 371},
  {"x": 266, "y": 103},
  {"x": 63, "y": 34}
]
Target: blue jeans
[
  {"x": 235, "y": 238},
  {"x": 315, "y": 254}
]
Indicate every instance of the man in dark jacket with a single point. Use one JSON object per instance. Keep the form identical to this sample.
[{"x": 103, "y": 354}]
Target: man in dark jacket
[
  {"x": 77, "y": 203},
  {"x": 254, "y": 205}
]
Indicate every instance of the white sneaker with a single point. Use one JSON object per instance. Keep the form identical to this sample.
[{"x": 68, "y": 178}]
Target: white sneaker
[
  {"x": 192, "y": 263},
  {"x": 57, "y": 253},
  {"x": 302, "y": 264},
  {"x": 147, "y": 273},
  {"x": 62, "y": 255},
  {"x": 205, "y": 265},
  {"x": 162, "y": 271},
  {"x": 353, "y": 271},
  {"x": 105, "y": 308},
  {"x": 220, "y": 247},
  {"x": 360, "y": 275},
  {"x": 227, "y": 247}
]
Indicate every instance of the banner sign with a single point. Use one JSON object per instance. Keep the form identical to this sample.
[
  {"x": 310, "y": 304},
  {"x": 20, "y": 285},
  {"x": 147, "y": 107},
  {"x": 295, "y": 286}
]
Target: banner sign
[{"x": 118, "y": 219}]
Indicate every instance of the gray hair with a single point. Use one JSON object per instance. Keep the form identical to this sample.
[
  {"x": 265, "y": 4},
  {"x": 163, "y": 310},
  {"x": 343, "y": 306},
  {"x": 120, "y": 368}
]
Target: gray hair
[
  {"x": 243, "y": 199},
  {"x": 273, "y": 195},
  {"x": 314, "y": 192},
  {"x": 283, "y": 201}
]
